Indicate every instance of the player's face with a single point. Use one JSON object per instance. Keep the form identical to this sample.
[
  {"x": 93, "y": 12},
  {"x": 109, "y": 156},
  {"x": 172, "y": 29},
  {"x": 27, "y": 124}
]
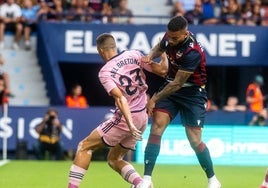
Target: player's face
[{"x": 177, "y": 37}]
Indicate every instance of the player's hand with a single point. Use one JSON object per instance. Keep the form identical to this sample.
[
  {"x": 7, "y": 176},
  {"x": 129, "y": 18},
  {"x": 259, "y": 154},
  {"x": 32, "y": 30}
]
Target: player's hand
[
  {"x": 150, "y": 106},
  {"x": 137, "y": 134},
  {"x": 147, "y": 59}
]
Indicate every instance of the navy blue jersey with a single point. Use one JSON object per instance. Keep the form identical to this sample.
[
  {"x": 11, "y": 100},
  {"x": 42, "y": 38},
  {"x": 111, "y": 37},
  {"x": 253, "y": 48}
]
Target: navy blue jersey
[{"x": 188, "y": 56}]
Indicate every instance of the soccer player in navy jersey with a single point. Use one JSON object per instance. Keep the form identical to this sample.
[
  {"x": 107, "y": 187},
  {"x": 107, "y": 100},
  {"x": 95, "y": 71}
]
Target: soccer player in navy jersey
[{"x": 184, "y": 92}]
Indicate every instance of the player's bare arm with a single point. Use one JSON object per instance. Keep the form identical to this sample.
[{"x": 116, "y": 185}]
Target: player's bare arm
[
  {"x": 171, "y": 87},
  {"x": 160, "y": 68},
  {"x": 154, "y": 53},
  {"x": 122, "y": 104}
]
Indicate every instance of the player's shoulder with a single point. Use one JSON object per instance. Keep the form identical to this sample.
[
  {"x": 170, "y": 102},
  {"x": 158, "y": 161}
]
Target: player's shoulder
[{"x": 134, "y": 53}]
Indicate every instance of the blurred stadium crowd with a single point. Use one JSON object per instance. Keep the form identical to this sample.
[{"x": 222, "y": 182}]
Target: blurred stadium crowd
[{"x": 22, "y": 16}]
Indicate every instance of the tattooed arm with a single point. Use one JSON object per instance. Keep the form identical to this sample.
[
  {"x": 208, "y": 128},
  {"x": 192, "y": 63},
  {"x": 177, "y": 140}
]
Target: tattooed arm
[{"x": 170, "y": 88}]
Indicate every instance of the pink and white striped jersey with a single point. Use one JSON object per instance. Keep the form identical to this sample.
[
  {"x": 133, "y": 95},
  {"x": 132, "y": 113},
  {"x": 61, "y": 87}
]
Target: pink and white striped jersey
[{"x": 125, "y": 71}]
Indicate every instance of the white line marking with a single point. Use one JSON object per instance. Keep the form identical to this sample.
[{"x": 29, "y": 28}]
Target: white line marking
[{"x": 3, "y": 162}]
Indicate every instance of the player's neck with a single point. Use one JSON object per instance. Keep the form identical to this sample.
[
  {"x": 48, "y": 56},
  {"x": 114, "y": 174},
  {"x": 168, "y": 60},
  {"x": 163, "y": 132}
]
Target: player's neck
[{"x": 110, "y": 56}]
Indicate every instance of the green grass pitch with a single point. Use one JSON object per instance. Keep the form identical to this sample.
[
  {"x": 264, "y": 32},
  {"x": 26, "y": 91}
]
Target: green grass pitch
[{"x": 53, "y": 174}]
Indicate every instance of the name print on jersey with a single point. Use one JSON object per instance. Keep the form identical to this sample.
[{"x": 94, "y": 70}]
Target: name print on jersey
[{"x": 120, "y": 64}]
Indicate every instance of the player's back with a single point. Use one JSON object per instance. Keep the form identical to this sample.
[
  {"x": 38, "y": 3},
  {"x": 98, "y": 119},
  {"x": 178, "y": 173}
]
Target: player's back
[{"x": 125, "y": 72}]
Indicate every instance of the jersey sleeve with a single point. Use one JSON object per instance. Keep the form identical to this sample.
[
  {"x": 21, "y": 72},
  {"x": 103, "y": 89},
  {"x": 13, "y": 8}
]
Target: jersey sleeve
[
  {"x": 106, "y": 81},
  {"x": 191, "y": 61},
  {"x": 164, "y": 42},
  {"x": 145, "y": 66}
]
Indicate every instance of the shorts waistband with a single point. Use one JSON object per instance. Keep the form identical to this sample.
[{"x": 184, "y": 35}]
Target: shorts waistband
[
  {"x": 134, "y": 111},
  {"x": 187, "y": 84}
]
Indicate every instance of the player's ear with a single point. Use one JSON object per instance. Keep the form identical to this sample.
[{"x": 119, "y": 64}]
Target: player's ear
[
  {"x": 100, "y": 50},
  {"x": 186, "y": 34}
]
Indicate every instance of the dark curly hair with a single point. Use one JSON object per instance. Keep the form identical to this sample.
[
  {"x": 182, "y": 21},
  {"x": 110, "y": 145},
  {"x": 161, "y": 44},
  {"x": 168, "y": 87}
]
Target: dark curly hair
[{"x": 177, "y": 23}]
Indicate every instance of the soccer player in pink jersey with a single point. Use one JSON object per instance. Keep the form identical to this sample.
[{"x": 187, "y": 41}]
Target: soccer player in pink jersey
[{"x": 123, "y": 78}]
